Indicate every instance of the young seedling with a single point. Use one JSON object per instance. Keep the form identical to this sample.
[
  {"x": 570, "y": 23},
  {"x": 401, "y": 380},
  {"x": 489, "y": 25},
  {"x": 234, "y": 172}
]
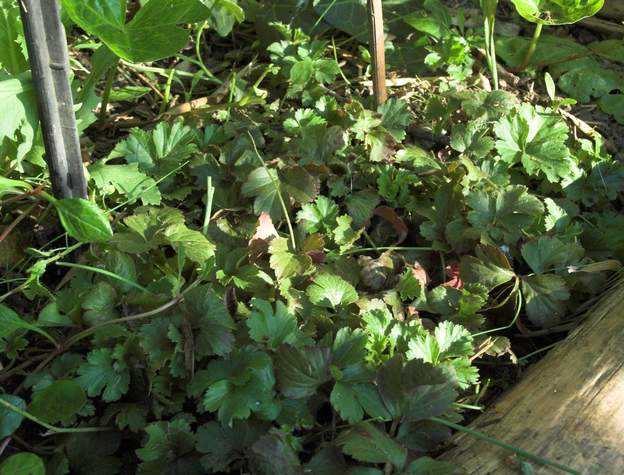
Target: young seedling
[{"x": 489, "y": 13}]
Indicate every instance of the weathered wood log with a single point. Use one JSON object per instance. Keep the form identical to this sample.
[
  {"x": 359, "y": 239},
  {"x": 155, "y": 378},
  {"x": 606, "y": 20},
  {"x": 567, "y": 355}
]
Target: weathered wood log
[
  {"x": 613, "y": 10},
  {"x": 606, "y": 27},
  {"x": 568, "y": 408}
]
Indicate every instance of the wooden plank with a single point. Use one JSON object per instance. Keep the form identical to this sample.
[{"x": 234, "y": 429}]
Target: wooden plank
[{"x": 569, "y": 407}]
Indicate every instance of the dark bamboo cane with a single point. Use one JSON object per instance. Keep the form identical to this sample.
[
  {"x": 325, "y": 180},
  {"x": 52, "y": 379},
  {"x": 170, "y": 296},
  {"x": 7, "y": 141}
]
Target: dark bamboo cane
[{"x": 49, "y": 61}]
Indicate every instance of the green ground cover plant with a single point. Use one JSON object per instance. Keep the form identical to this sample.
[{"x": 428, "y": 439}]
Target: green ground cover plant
[{"x": 285, "y": 279}]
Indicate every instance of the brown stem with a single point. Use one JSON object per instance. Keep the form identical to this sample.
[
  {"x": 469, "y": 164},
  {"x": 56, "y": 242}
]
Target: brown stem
[
  {"x": 388, "y": 468},
  {"x": 34, "y": 191},
  {"x": 16, "y": 221},
  {"x": 4, "y": 443}
]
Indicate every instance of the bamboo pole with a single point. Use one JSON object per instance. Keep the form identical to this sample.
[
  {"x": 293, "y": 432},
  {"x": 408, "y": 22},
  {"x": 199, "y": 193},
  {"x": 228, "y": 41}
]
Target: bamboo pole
[{"x": 377, "y": 51}]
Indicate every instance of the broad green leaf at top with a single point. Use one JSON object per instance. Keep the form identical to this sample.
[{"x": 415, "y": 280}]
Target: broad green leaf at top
[
  {"x": 557, "y": 12},
  {"x": 152, "y": 34}
]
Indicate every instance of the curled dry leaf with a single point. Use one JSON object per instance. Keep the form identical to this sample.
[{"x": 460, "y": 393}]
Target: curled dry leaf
[
  {"x": 421, "y": 274},
  {"x": 314, "y": 246},
  {"x": 380, "y": 273},
  {"x": 265, "y": 233},
  {"x": 452, "y": 272},
  {"x": 390, "y": 215}
]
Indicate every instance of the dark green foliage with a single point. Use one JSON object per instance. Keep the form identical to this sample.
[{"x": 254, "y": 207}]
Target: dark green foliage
[{"x": 288, "y": 280}]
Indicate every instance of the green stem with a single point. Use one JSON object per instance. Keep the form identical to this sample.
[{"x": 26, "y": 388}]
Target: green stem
[
  {"x": 48, "y": 197},
  {"x": 344, "y": 78},
  {"x": 498, "y": 443},
  {"x": 513, "y": 321},
  {"x": 164, "y": 72},
  {"x": 85, "y": 333},
  {"x": 210, "y": 191},
  {"x": 537, "y": 352},
  {"x": 107, "y": 273},
  {"x": 276, "y": 184},
  {"x": 153, "y": 185},
  {"x": 49, "y": 260},
  {"x": 167, "y": 93},
  {"x": 51, "y": 428},
  {"x": 386, "y": 248},
  {"x": 110, "y": 77},
  {"x": 470, "y": 407},
  {"x": 200, "y": 60},
  {"x": 532, "y": 47},
  {"x": 492, "y": 52},
  {"x": 370, "y": 240}
]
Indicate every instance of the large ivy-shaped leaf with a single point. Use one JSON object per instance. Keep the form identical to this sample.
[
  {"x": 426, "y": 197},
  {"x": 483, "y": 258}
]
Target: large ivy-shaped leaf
[
  {"x": 169, "y": 450},
  {"x": 207, "y": 312},
  {"x": 126, "y": 180},
  {"x": 263, "y": 184},
  {"x": 490, "y": 267},
  {"x": 551, "y": 253},
  {"x": 287, "y": 263},
  {"x": 237, "y": 385},
  {"x": 106, "y": 373},
  {"x": 223, "y": 445},
  {"x": 300, "y": 371},
  {"x": 502, "y": 216},
  {"x": 546, "y": 296},
  {"x": 536, "y": 138},
  {"x": 367, "y": 443},
  {"x": 416, "y": 390},
  {"x": 274, "y": 327}
]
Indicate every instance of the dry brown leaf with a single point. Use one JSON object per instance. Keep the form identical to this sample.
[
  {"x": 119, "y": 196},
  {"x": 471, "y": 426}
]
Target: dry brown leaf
[{"x": 265, "y": 233}]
